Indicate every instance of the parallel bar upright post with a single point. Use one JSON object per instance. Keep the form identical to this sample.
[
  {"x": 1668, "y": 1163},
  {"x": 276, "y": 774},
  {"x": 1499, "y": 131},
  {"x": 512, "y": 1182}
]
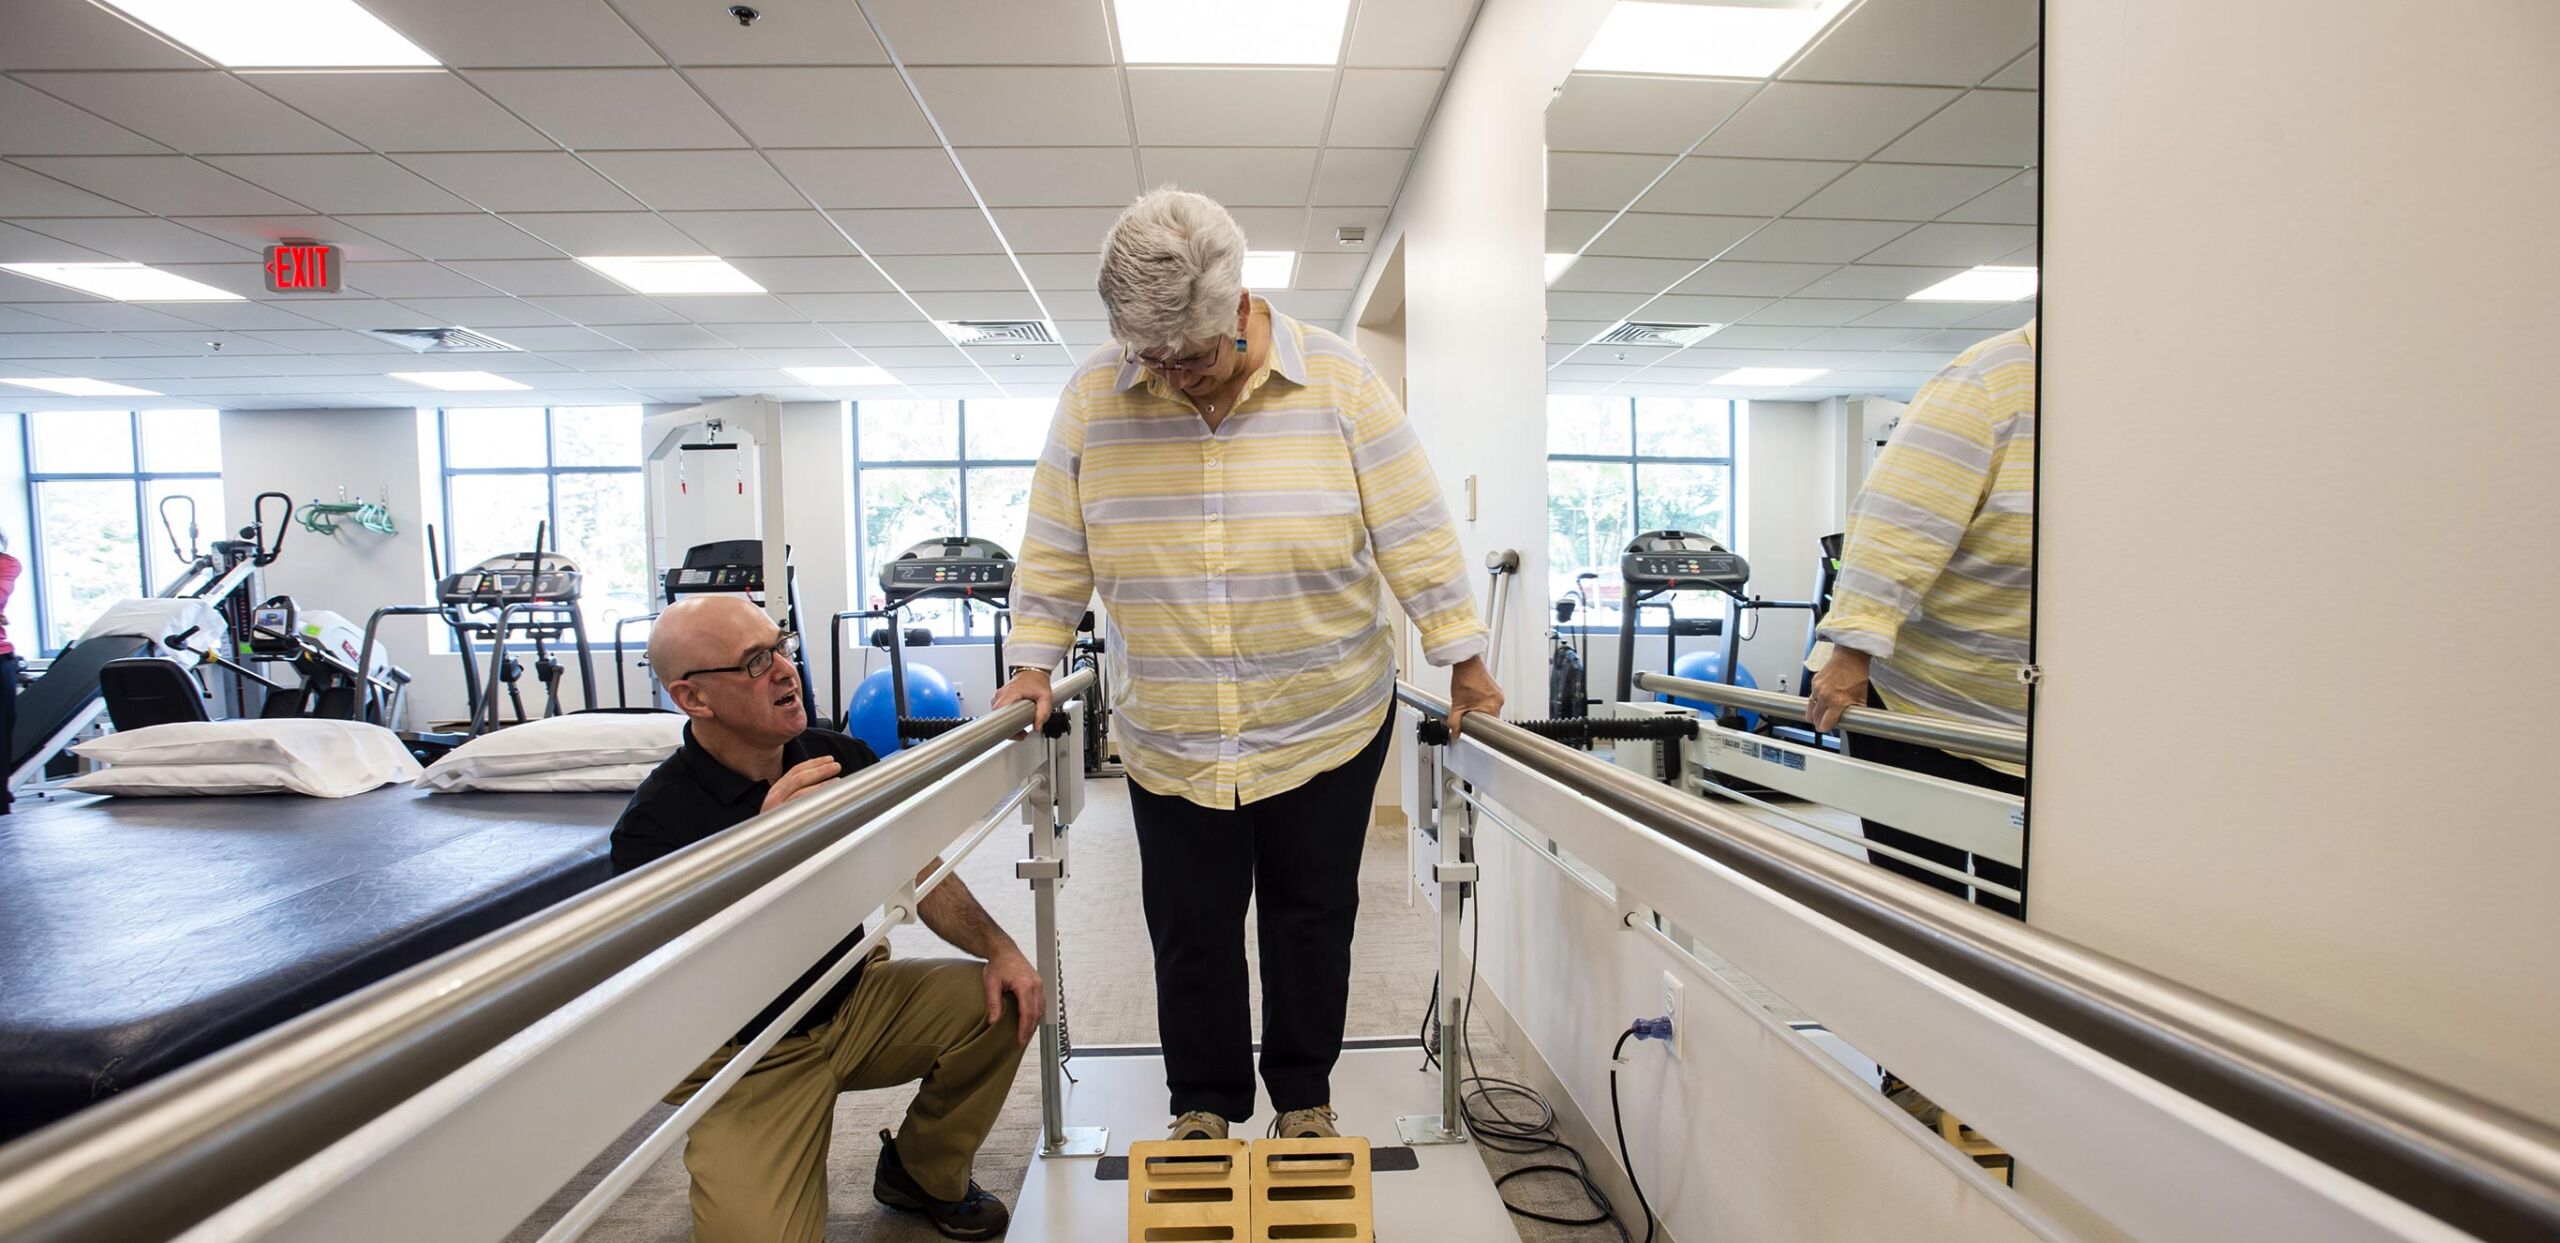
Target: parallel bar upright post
[
  {"x": 1044, "y": 870},
  {"x": 1450, "y": 872}
]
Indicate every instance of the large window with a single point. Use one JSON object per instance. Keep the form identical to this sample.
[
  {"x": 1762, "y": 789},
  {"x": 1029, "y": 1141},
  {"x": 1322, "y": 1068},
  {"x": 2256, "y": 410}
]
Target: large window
[
  {"x": 1620, "y": 465},
  {"x": 98, "y": 485},
  {"x": 573, "y": 473},
  {"x": 924, "y": 469}
]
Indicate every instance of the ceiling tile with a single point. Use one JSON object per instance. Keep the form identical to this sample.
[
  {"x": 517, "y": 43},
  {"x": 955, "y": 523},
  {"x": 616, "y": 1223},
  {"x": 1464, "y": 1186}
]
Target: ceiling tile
[
  {"x": 774, "y": 336},
  {"x": 732, "y": 308},
  {"x": 1690, "y": 309},
  {"x": 948, "y": 304},
  {"x": 522, "y": 181},
  {"x": 244, "y": 316},
  {"x": 920, "y": 231},
  {"x": 1067, "y": 304},
  {"x": 1818, "y": 312},
  {"x": 610, "y": 108},
  {"x": 812, "y": 275},
  {"x": 1598, "y": 181},
  {"x": 1288, "y": 107},
  {"x": 2023, "y": 74},
  {"x": 818, "y": 107},
  {"x": 876, "y": 177},
  {"x": 29, "y": 193},
  {"x": 1323, "y": 271},
  {"x": 1057, "y": 229},
  {"x": 1921, "y": 315},
  {"x": 698, "y": 180},
  {"x": 21, "y": 246},
  {"x": 1570, "y": 231},
  {"x": 75, "y": 34},
  {"x": 1817, "y": 241},
  {"x": 1805, "y": 121},
  {"x": 528, "y": 277},
  {"x": 1072, "y": 270},
  {"x": 1654, "y": 236},
  {"x": 1052, "y": 176},
  {"x": 405, "y": 111},
  {"x": 1610, "y": 112},
  {"x": 1417, "y": 33},
  {"x": 617, "y": 309},
  {"x": 142, "y": 240},
  {"x": 165, "y": 185},
  {"x": 733, "y": 234},
  {"x": 1236, "y": 177},
  {"x": 1763, "y": 336},
  {"x": 412, "y": 279},
  {"x": 1859, "y": 280},
  {"x": 1027, "y": 106},
  {"x": 831, "y": 308},
  {"x": 1606, "y": 274},
  {"x": 1901, "y": 191},
  {"x": 1382, "y": 107},
  {"x": 193, "y": 111},
  {"x": 34, "y": 123},
  {"x": 1984, "y": 127},
  {"x": 1360, "y": 176},
  {"x": 1921, "y": 42},
  {"x": 490, "y": 312},
  {"x": 104, "y": 317},
  {"x": 334, "y": 183},
  {"x": 1863, "y": 338},
  {"x": 919, "y": 273},
  {"x": 345, "y": 311},
  {"x": 2005, "y": 318},
  {"x": 256, "y": 233},
  {"x": 1712, "y": 186},
  {"x": 459, "y": 235},
  {"x": 911, "y": 331},
  {"x": 1607, "y": 307},
  {"x": 791, "y": 32},
  {"x": 473, "y": 33},
  {"x": 994, "y": 32},
  {"x": 1955, "y": 245},
  {"x": 2011, "y": 202},
  {"x": 605, "y": 232}
]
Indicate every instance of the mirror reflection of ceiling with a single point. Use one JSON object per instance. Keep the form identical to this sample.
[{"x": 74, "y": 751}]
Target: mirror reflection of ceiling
[{"x": 1800, "y": 212}]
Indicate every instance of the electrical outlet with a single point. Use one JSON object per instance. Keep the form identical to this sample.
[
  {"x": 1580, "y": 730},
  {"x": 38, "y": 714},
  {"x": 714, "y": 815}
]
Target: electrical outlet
[{"x": 1671, "y": 995}]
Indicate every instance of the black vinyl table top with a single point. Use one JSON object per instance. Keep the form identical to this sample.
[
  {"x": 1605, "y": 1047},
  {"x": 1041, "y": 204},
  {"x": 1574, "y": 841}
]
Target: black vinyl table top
[{"x": 138, "y": 934}]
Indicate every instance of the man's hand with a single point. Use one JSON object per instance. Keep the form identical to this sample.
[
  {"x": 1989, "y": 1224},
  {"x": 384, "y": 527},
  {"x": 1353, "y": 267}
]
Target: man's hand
[
  {"x": 803, "y": 778},
  {"x": 1840, "y": 685},
  {"x": 1010, "y": 972},
  {"x": 1030, "y": 685},
  {"x": 1471, "y": 689}
]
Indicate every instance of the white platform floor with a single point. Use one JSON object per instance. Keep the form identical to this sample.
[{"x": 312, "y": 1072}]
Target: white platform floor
[{"x": 1450, "y": 1196}]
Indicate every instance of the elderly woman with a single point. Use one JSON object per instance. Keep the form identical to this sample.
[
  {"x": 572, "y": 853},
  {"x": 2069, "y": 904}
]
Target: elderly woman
[{"x": 1235, "y": 484}]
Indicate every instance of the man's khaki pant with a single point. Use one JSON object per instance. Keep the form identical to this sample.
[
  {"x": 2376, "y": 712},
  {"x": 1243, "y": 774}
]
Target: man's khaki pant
[{"x": 759, "y": 1156}]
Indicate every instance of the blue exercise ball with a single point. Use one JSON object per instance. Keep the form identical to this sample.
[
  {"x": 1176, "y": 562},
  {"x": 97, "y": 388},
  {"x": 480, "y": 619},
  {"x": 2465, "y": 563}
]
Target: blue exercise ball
[
  {"x": 1708, "y": 667},
  {"x": 873, "y": 718}
]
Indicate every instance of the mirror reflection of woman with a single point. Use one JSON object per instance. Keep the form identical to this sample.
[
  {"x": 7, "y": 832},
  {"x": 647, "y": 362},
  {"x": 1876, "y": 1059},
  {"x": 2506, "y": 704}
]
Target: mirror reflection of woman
[
  {"x": 1244, "y": 493},
  {"x": 10, "y": 665}
]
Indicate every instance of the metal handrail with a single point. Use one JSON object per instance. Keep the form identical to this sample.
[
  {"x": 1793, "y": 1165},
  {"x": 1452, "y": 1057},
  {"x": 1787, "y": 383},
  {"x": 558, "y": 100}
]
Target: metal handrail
[
  {"x": 1988, "y": 741},
  {"x": 149, "y": 1163},
  {"x": 2466, "y": 1161}
]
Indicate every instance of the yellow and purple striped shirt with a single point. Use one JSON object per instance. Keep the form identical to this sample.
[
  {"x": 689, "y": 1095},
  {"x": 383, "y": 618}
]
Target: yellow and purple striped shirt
[{"x": 1241, "y": 568}]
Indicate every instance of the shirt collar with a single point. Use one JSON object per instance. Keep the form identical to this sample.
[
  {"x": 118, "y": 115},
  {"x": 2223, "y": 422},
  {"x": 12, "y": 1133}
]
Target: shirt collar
[
  {"x": 1288, "y": 357},
  {"x": 725, "y": 784}
]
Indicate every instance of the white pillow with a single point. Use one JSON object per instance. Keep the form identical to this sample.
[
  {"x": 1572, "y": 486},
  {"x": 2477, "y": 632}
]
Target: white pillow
[
  {"x": 605, "y": 777},
  {"x": 184, "y": 780},
  {"x": 327, "y": 759},
  {"x": 554, "y": 744}
]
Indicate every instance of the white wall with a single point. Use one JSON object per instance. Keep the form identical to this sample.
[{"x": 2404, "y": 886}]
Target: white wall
[{"x": 2314, "y": 817}]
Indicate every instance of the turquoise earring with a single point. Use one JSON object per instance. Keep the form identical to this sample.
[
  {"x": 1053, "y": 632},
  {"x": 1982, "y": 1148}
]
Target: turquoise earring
[{"x": 1239, "y": 345}]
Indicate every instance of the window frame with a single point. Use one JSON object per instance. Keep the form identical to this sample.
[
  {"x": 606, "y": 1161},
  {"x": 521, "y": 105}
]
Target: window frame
[
  {"x": 550, "y": 470},
  {"x": 866, "y": 575},
  {"x": 1635, "y": 460},
  {"x": 137, "y": 478}
]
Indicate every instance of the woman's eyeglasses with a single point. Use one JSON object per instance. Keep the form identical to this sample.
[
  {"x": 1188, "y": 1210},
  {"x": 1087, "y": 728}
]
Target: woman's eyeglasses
[
  {"x": 1187, "y": 364},
  {"x": 758, "y": 662}
]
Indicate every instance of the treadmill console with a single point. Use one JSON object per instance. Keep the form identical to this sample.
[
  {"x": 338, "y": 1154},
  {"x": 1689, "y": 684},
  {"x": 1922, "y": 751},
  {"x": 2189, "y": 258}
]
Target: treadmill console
[
  {"x": 514, "y": 578},
  {"x": 1681, "y": 561},
  {"x": 966, "y": 566},
  {"x": 687, "y": 580}
]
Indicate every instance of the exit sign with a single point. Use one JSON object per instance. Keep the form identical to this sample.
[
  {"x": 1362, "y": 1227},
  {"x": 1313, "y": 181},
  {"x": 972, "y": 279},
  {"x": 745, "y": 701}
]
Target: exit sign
[{"x": 302, "y": 267}]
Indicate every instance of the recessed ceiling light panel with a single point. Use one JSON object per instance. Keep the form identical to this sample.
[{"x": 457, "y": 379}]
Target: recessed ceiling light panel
[
  {"x": 1231, "y": 32},
  {"x": 1704, "y": 40},
  {"x": 280, "y": 34},
  {"x": 1988, "y": 283},
  {"x": 1768, "y": 377},
  {"x": 125, "y": 282},
  {"x": 673, "y": 274},
  {"x": 458, "y": 381},
  {"x": 70, "y": 387},
  {"x": 842, "y": 377},
  {"x": 1269, "y": 269}
]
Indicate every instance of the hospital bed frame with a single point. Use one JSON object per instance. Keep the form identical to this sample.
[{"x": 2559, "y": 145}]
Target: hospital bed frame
[{"x": 500, "y": 1066}]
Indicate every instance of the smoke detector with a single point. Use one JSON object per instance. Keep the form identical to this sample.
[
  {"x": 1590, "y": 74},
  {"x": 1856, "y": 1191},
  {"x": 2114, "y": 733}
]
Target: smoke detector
[{"x": 441, "y": 340}]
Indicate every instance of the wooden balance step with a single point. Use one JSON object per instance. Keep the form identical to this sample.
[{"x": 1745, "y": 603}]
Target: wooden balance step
[{"x": 1229, "y": 1191}]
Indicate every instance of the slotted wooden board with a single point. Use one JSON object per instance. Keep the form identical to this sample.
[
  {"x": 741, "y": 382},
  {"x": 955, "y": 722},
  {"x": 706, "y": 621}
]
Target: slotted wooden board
[
  {"x": 1191, "y": 1191},
  {"x": 1312, "y": 1189}
]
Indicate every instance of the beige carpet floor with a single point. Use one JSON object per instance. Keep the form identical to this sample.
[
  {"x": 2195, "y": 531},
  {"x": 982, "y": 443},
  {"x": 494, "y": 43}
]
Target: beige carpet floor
[{"x": 1110, "y": 1000}]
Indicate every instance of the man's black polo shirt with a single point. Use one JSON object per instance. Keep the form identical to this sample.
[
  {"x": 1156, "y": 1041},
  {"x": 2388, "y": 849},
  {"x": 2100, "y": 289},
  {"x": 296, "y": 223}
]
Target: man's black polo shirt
[{"x": 692, "y": 796}]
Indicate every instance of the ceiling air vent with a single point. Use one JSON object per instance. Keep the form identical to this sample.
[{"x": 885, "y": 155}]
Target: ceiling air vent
[
  {"x": 1673, "y": 335},
  {"x": 997, "y": 332},
  {"x": 441, "y": 340}
]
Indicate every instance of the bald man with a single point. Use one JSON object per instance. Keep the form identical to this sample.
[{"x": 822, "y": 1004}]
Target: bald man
[{"x": 759, "y": 1156}]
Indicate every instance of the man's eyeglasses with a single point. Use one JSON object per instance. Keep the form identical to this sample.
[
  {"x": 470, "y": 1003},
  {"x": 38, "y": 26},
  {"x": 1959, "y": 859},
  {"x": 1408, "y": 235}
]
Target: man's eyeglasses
[
  {"x": 1188, "y": 363},
  {"x": 758, "y": 662}
]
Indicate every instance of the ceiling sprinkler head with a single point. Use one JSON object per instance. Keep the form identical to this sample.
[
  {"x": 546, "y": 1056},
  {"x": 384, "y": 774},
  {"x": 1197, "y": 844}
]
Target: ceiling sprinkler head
[{"x": 746, "y": 14}]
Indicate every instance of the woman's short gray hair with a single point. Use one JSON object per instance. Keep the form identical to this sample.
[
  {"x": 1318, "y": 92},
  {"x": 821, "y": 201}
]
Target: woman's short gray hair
[{"x": 1172, "y": 268}]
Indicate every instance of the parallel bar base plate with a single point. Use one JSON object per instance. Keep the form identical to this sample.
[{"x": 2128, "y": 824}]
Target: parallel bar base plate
[
  {"x": 1082, "y": 1141},
  {"x": 1422, "y": 1130}
]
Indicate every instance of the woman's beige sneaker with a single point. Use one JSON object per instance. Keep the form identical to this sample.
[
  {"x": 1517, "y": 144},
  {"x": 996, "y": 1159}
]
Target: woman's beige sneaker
[
  {"x": 1316, "y": 1123},
  {"x": 1198, "y": 1125}
]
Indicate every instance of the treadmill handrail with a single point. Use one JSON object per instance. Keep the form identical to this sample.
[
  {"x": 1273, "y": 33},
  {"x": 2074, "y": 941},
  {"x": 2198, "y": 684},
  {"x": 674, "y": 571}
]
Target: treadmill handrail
[
  {"x": 1963, "y": 737},
  {"x": 2463, "y": 1160},
  {"x": 155, "y": 1161}
]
